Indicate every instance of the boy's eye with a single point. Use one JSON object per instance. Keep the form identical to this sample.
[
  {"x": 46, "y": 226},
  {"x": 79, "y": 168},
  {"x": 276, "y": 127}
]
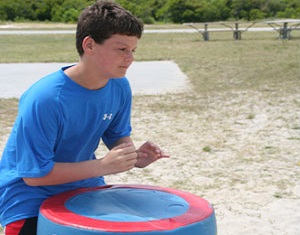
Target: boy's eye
[{"x": 126, "y": 50}]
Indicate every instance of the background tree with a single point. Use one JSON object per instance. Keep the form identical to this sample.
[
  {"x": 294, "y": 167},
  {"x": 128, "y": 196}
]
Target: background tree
[
  {"x": 151, "y": 11},
  {"x": 68, "y": 10}
]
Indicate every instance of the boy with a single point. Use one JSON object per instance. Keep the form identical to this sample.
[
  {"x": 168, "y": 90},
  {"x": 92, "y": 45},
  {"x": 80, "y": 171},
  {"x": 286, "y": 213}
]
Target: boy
[{"x": 63, "y": 116}]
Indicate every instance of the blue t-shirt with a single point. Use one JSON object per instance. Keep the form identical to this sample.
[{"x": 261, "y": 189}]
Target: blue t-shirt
[{"x": 58, "y": 121}]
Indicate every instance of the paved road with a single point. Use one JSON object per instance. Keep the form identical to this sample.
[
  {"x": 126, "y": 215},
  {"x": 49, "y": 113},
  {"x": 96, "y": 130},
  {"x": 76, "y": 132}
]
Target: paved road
[{"x": 145, "y": 77}]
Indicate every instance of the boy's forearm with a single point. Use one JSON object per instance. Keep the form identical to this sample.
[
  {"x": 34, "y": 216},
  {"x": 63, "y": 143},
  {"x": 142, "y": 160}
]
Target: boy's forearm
[{"x": 67, "y": 172}]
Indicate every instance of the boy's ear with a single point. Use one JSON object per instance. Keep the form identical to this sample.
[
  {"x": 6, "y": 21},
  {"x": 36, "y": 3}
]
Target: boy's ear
[{"x": 88, "y": 44}]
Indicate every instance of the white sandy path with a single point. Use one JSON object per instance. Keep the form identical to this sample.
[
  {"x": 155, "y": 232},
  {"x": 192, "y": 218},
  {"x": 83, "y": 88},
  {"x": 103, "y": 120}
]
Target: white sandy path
[{"x": 252, "y": 173}]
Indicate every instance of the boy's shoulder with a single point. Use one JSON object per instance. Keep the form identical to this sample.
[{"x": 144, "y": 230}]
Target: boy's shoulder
[
  {"x": 122, "y": 83},
  {"x": 47, "y": 88}
]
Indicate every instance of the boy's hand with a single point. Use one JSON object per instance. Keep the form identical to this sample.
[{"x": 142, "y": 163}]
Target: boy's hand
[
  {"x": 148, "y": 153},
  {"x": 119, "y": 159}
]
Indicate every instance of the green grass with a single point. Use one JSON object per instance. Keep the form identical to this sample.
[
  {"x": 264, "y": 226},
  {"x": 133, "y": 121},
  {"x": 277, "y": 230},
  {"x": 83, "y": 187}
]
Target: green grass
[
  {"x": 218, "y": 64},
  {"x": 37, "y": 48}
]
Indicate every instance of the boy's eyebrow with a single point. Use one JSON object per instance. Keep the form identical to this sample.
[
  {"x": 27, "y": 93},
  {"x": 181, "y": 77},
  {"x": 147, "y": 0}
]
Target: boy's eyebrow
[
  {"x": 124, "y": 44},
  {"x": 121, "y": 43}
]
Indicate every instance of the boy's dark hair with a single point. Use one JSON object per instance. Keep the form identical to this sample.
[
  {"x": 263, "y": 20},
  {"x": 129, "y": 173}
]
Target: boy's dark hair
[{"x": 103, "y": 19}]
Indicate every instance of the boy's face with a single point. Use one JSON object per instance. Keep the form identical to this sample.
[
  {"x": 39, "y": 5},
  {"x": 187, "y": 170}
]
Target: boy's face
[{"x": 114, "y": 56}]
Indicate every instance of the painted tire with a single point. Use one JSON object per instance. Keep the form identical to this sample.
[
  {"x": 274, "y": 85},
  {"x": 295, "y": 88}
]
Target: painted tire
[{"x": 126, "y": 209}]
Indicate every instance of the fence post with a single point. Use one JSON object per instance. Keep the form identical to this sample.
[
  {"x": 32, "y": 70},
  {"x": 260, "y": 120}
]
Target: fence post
[
  {"x": 206, "y": 33},
  {"x": 284, "y": 31},
  {"x": 237, "y": 33}
]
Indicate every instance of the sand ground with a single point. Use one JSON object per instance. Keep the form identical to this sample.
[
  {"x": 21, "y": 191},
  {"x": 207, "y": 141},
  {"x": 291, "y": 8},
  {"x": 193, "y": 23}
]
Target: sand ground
[{"x": 240, "y": 151}]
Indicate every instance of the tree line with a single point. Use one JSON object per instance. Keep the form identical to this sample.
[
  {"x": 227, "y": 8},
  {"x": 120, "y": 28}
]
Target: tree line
[{"x": 151, "y": 11}]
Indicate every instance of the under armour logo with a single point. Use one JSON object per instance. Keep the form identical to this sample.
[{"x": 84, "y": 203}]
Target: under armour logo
[{"x": 107, "y": 116}]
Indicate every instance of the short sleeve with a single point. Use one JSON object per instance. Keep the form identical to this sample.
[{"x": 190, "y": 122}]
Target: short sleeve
[
  {"x": 121, "y": 125},
  {"x": 35, "y": 134}
]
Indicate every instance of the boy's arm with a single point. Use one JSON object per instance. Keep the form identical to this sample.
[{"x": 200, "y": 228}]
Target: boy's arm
[
  {"x": 119, "y": 159},
  {"x": 123, "y": 156}
]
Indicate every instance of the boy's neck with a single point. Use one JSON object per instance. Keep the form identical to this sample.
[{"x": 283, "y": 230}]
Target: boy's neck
[{"x": 85, "y": 77}]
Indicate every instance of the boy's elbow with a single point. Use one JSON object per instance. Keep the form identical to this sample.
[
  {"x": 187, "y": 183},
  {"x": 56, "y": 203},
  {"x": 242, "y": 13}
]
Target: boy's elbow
[{"x": 32, "y": 181}]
